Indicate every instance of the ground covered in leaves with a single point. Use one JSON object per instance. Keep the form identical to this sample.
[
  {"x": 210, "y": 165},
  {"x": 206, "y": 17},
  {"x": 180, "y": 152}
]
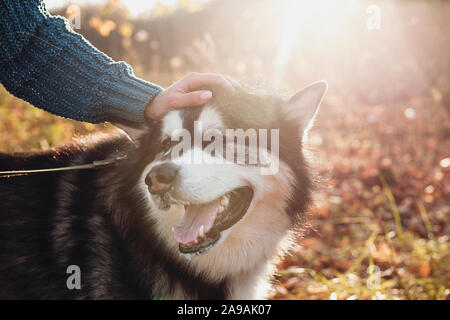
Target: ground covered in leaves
[{"x": 380, "y": 225}]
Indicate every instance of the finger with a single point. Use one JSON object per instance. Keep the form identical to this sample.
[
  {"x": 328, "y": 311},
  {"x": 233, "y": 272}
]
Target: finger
[
  {"x": 196, "y": 80},
  {"x": 192, "y": 99}
]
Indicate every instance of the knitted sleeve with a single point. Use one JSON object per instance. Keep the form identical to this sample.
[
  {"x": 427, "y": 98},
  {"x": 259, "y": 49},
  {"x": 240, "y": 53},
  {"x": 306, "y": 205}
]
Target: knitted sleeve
[{"x": 48, "y": 65}]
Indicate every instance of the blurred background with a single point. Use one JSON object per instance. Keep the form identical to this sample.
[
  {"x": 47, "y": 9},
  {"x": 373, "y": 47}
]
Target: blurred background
[{"x": 380, "y": 226}]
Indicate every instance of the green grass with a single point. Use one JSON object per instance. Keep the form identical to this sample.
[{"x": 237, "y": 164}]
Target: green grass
[{"x": 412, "y": 268}]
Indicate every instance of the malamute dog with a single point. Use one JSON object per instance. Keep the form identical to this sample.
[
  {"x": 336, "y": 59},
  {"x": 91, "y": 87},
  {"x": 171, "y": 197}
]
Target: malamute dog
[{"x": 157, "y": 224}]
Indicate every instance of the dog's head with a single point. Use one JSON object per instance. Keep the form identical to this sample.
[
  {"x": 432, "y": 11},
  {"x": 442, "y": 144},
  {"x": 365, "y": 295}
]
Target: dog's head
[{"x": 229, "y": 177}]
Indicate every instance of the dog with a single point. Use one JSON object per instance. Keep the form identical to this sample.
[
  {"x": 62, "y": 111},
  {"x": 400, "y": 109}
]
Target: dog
[{"x": 154, "y": 224}]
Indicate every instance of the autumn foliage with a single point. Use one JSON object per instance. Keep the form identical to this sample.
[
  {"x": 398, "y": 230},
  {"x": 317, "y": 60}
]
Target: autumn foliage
[{"x": 379, "y": 228}]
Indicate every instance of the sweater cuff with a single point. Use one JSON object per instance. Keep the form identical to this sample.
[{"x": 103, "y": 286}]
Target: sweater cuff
[{"x": 125, "y": 97}]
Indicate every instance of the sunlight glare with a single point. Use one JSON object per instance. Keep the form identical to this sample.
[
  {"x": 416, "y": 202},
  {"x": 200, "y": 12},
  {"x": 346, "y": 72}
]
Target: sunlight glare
[
  {"x": 289, "y": 36},
  {"x": 320, "y": 20},
  {"x": 138, "y": 7}
]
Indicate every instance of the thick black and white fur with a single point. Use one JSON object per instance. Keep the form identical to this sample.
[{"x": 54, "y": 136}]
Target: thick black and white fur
[{"x": 106, "y": 222}]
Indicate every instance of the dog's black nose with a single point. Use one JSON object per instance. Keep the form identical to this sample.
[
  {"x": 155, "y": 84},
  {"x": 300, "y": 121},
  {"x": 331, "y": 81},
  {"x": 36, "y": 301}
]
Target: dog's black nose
[{"x": 161, "y": 177}]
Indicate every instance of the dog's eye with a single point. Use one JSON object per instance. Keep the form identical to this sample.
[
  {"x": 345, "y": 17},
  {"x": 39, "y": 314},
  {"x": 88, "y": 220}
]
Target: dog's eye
[{"x": 167, "y": 144}]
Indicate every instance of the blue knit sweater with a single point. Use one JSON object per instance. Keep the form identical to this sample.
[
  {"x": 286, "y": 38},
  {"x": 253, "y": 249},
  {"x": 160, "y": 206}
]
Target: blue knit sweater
[{"x": 48, "y": 65}]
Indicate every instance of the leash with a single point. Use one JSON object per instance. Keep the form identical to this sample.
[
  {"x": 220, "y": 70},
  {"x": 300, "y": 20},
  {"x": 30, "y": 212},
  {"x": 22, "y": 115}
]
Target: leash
[{"x": 93, "y": 165}]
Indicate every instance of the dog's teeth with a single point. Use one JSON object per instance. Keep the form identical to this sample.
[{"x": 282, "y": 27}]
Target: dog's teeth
[
  {"x": 201, "y": 232},
  {"x": 224, "y": 201},
  {"x": 221, "y": 209}
]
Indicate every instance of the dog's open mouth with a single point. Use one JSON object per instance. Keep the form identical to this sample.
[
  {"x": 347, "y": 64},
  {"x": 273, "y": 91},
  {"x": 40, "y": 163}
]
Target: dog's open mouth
[{"x": 202, "y": 223}]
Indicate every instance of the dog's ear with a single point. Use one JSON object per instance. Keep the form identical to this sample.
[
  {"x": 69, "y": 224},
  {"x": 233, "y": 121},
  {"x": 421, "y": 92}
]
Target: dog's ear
[{"x": 304, "y": 105}]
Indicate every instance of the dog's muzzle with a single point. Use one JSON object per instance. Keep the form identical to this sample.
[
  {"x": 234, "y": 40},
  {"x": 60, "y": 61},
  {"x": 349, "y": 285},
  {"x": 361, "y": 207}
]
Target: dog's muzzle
[
  {"x": 202, "y": 223},
  {"x": 161, "y": 178}
]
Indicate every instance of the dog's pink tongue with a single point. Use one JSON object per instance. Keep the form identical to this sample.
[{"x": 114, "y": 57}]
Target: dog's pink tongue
[{"x": 194, "y": 217}]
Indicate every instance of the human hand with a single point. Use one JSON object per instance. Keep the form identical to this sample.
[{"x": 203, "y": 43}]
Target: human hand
[{"x": 183, "y": 93}]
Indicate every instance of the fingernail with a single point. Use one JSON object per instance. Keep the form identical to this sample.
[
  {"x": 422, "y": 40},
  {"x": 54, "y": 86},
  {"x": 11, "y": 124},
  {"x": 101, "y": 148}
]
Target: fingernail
[{"x": 206, "y": 95}]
